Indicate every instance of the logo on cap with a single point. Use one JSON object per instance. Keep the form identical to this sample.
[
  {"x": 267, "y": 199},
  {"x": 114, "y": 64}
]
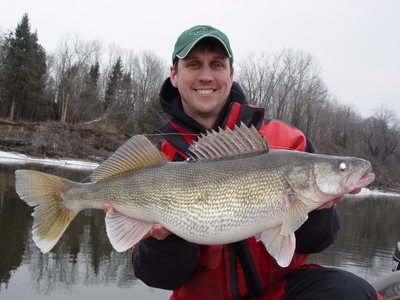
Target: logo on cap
[{"x": 203, "y": 30}]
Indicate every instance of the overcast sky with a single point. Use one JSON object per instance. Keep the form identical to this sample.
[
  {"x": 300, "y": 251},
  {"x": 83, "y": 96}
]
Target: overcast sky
[{"x": 356, "y": 43}]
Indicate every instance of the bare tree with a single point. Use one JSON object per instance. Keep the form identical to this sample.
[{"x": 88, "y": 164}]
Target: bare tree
[
  {"x": 287, "y": 85},
  {"x": 148, "y": 74},
  {"x": 381, "y": 135},
  {"x": 258, "y": 79},
  {"x": 73, "y": 60}
]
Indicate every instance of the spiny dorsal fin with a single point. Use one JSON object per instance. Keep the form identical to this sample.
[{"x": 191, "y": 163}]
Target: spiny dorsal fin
[
  {"x": 239, "y": 141},
  {"x": 136, "y": 153}
]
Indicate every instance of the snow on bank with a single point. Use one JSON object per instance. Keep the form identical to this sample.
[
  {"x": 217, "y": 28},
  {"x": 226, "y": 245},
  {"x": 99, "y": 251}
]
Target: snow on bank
[{"x": 18, "y": 158}]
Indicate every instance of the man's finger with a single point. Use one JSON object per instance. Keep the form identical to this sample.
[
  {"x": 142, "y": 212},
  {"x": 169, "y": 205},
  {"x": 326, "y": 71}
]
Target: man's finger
[{"x": 107, "y": 207}]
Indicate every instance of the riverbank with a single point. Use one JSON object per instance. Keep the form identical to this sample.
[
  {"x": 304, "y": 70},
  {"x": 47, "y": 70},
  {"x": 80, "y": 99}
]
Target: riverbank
[{"x": 54, "y": 140}]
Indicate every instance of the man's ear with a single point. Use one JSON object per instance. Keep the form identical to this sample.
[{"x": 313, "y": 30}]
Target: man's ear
[{"x": 173, "y": 77}]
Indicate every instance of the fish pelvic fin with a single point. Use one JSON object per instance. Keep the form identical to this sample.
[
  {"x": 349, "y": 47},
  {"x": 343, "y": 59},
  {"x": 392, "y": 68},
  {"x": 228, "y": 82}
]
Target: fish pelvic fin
[
  {"x": 229, "y": 143},
  {"x": 281, "y": 247},
  {"x": 123, "y": 231},
  {"x": 137, "y": 152},
  {"x": 50, "y": 216}
]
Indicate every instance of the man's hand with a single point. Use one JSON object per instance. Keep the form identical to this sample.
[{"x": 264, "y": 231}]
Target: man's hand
[
  {"x": 157, "y": 231},
  {"x": 337, "y": 200}
]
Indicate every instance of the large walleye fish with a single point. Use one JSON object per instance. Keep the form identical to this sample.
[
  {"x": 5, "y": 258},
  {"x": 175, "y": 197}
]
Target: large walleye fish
[{"x": 234, "y": 189}]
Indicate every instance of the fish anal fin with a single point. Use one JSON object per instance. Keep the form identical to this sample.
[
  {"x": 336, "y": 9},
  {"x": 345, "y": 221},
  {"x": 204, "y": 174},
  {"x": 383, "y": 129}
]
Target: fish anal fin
[
  {"x": 281, "y": 247},
  {"x": 123, "y": 231},
  {"x": 137, "y": 152}
]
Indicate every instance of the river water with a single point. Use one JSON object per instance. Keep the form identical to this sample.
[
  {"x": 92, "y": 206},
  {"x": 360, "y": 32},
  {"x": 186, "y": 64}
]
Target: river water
[{"x": 83, "y": 264}]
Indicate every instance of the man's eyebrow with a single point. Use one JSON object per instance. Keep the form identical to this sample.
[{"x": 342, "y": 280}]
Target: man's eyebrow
[{"x": 196, "y": 57}]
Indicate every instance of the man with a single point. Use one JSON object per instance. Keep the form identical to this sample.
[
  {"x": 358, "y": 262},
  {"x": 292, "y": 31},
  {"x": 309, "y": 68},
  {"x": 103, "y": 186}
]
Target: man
[{"x": 201, "y": 95}]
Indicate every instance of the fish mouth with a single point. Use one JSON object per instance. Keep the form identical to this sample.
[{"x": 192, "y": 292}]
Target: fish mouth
[{"x": 365, "y": 178}]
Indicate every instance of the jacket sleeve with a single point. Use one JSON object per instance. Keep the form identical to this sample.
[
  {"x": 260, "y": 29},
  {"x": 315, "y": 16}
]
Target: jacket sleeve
[{"x": 165, "y": 264}]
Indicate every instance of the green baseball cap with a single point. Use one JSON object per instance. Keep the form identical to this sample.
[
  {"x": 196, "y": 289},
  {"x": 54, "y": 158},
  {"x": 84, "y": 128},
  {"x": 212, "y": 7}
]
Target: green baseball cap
[{"x": 189, "y": 38}]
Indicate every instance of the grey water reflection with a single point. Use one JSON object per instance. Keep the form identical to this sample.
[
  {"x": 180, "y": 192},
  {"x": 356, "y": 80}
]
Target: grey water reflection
[
  {"x": 83, "y": 264},
  {"x": 366, "y": 241}
]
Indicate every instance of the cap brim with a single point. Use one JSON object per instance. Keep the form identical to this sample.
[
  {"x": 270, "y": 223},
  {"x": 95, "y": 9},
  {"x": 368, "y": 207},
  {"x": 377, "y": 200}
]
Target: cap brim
[{"x": 185, "y": 51}]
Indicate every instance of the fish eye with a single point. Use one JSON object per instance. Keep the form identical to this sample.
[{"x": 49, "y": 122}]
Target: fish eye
[{"x": 342, "y": 166}]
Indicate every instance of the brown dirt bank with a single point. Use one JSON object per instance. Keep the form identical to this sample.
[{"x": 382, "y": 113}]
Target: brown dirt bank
[{"x": 57, "y": 140}]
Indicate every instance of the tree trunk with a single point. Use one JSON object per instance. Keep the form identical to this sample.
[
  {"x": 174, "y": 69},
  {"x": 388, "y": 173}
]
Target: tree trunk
[
  {"x": 64, "y": 110},
  {"x": 12, "y": 109}
]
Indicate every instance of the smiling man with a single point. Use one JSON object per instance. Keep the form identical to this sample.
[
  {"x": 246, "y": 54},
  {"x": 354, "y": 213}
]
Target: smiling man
[
  {"x": 201, "y": 95},
  {"x": 204, "y": 81}
]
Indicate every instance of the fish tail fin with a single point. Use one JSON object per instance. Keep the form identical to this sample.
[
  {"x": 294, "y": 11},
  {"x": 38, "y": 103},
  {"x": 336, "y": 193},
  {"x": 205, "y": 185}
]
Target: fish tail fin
[{"x": 51, "y": 217}]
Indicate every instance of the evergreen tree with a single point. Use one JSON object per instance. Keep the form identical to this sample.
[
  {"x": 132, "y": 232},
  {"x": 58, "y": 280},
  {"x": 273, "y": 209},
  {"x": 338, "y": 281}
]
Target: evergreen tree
[
  {"x": 23, "y": 73},
  {"x": 93, "y": 76},
  {"x": 113, "y": 83},
  {"x": 89, "y": 101}
]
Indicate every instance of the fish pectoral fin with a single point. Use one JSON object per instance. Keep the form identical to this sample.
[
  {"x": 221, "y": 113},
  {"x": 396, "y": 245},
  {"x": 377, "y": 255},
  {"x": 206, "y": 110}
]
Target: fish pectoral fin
[
  {"x": 123, "y": 231},
  {"x": 294, "y": 217},
  {"x": 281, "y": 247}
]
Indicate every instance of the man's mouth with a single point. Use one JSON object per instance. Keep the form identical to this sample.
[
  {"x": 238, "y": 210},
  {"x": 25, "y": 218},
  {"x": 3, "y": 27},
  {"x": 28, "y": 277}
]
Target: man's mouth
[{"x": 205, "y": 92}]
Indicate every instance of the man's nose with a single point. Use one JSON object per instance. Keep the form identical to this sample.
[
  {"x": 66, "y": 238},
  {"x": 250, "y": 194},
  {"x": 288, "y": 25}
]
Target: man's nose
[{"x": 205, "y": 74}]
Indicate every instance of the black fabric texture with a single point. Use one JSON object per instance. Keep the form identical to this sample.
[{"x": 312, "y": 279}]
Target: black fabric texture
[
  {"x": 240, "y": 251},
  {"x": 327, "y": 284},
  {"x": 165, "y": 264}
]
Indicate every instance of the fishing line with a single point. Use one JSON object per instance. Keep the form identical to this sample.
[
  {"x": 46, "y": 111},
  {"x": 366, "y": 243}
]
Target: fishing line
[
  {"x": 167, "y": 133},
  {"x": 63, "y": 163}
]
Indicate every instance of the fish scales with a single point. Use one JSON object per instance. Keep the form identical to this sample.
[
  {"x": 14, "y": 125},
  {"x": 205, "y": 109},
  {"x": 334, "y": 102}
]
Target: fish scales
[
  {"x": 227, "y": 194},
  {"x": 203, "y": 199}
]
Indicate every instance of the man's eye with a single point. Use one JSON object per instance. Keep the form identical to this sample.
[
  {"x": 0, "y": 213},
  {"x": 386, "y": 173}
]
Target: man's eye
[{"x": 193, "y": 65}]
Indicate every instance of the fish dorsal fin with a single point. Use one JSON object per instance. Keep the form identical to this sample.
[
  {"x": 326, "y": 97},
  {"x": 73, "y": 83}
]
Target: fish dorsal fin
[
  {"x": 228, "y": 143},
  {"x": 137, "y": 152}
]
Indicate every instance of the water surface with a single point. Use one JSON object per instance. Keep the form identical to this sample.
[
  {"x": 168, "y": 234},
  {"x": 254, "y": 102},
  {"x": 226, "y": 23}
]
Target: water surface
[{"x": 83, "y": 264}]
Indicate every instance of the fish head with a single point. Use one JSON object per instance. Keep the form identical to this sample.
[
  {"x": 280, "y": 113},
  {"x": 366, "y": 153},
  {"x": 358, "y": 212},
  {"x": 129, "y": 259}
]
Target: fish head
[
  {"x": 337, "y": 176},
  {"x": 321, "y": 178}
]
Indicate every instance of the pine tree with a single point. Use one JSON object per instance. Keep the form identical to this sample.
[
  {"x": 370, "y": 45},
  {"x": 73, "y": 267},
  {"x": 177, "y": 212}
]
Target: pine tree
[
  {"x": 23, "y": 73},
  {"x": 93, "y": 76},
  {"x": 113, "y": 84},
  {"x": 90, "y": 106}
]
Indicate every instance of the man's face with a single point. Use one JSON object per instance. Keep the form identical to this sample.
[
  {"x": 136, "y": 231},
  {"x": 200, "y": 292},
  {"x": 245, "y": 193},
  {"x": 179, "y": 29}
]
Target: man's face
[{"x": 204, "y": 80}]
